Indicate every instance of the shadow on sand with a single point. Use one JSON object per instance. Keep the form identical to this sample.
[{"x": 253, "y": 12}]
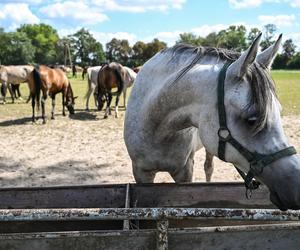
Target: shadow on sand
[
  {"x": 83, "y": 116},
  {"x": 20, "y": 121}
]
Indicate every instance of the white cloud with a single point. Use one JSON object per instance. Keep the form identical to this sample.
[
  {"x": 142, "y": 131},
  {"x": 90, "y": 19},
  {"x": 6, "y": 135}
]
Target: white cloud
[
  {"x": 169, "y": 37},
  {"x": 75, "y": 10},
  {"x": 244, "y": 4},
  {"x": 17, "y": 14},
  {"x": 138, "y": 5},
  {"x": 204, "y": 30},
  {"x": 104, "y": 37},
  {"x": 295, "y": 3},
  {"x": 279, "y": 20}
]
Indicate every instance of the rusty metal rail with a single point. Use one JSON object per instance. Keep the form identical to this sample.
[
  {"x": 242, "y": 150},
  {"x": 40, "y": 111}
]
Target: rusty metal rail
[{"x": 146, "y": 214}]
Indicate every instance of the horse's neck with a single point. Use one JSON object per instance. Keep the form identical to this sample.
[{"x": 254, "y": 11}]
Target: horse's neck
[
  {"x": 69, "y": 92},
  {"x": 185, "y": 103}
]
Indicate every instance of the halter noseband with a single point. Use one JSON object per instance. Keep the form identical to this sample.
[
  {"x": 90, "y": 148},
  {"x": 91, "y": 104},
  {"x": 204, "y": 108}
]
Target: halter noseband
[{"x": 256, "y": 160}]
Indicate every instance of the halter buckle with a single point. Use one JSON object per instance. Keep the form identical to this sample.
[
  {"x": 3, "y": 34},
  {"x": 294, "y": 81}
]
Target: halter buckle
[{"x": 224, "y": 134}]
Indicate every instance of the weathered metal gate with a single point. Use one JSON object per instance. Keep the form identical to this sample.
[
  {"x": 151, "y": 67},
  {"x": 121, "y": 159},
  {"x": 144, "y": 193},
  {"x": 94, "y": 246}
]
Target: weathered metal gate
[{"x": 184, "y": 216}]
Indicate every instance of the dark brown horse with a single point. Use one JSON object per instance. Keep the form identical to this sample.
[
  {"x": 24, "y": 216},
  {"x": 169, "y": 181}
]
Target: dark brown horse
[
  {"x": 50, "y": 82},
  {"x": 110, "y": 76}
]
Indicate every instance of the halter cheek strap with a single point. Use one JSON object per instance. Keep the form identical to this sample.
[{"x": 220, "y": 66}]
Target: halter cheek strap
[{"x": 256, "y": 160}]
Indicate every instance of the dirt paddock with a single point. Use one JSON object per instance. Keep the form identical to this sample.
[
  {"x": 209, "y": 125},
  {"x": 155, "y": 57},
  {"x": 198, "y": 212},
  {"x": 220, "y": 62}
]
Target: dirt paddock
[{"x": 85, "y": 149}]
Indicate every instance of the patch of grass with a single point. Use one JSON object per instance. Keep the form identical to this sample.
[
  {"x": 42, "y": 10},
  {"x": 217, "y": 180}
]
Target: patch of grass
[
  {"x": 288, "y": 90},
  {"x": 287, "y": 84}
]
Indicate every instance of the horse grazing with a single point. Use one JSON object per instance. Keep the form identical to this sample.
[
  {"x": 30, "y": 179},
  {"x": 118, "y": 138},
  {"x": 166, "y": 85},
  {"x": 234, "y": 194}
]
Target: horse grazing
[
  {"x": 50, "y": 82},
  {"x": 113, "y": 75},
  {"x": 11, "y": 77},
  {"x": 185, "y": 98}
]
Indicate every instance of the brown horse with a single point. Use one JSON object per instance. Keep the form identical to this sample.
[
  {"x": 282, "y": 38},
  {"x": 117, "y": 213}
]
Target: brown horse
[
  {"x": 110, "y": 76},
  {"x": 50, "y": 82}
]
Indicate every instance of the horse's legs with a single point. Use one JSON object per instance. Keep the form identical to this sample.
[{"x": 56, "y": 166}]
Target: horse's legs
[
  {"x": 208, "y": 166},
  {"x": 63, "y": 103},
  {"x": 18, "y": 91},
  {"x": 53, "y": 106},
  {"x": 33, "y": 106},
  {"x": 117, "y": 106},
  {"x": 142, "y": 176},
  {"x": 11, "y": 92},
  {"x": 4, "y": 91},
  {"x": 109, "y": 102},
  {"x": 43, "y": 107},
  {"x": 108, "y": 97},
  {"x": 90, "y": 91},
  {"x": 124, "y": 96},
  {"x": 184, "y": 174}
]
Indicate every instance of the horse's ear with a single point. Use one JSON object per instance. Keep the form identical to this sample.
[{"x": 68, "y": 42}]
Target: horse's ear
[
  {"x": 267, "y": 56},
  {"x": 239, "y": 67},
  {"x": 75, "y": 97}
]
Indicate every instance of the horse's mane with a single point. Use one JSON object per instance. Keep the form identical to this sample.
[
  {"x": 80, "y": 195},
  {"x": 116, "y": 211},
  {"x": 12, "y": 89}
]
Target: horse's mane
[{"x": 261, "y": 83}]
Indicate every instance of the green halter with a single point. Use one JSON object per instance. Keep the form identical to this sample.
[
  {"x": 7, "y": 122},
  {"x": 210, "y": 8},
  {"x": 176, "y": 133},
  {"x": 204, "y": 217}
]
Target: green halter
[{"x": 257, "y": 161}]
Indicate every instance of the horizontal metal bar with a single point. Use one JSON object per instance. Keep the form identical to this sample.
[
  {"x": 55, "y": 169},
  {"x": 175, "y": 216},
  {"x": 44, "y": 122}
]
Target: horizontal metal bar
[{"x": 146, "y": 214}]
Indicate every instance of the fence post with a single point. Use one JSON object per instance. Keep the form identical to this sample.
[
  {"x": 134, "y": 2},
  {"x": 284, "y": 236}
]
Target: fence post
[{"x": 162, "y": 234}]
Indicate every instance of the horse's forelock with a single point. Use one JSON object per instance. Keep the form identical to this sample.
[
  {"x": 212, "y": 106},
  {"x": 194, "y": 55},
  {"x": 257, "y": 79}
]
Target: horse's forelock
[{"x": 262, "y": 92}]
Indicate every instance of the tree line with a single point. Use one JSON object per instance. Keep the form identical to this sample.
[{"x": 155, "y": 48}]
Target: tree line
[{"x": 40, "y": 43}]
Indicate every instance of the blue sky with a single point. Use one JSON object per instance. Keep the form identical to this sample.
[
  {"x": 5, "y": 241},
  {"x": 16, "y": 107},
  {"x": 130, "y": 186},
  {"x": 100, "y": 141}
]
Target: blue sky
[{"x": 144, "y": 19}]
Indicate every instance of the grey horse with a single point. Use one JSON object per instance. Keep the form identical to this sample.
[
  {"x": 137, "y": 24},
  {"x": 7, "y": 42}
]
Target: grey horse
[{"x": 173, "y": 112}]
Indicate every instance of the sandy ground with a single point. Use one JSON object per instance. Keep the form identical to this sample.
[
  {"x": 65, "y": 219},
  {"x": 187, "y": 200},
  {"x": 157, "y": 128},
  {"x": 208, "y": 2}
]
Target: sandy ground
[{"x": 85, "y": 150}]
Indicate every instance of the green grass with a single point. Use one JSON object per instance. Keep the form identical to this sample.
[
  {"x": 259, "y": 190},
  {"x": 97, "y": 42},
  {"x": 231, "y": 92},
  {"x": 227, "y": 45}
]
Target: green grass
[
  {"x": 288, "y": 90},
  {"x": 287, "y": 84}
]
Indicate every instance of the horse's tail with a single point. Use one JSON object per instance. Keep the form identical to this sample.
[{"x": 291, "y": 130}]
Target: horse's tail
[
  {"x": 38, "y": 85},
  {"x": 120, "y": 82}
]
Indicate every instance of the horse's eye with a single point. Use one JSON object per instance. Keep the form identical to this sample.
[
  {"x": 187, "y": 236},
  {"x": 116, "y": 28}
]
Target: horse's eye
[{"x": 251, "y": 120}]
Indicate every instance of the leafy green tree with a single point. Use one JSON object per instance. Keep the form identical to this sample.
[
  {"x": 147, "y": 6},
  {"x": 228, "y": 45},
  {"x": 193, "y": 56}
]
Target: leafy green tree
[
  {"x": 15, "y": 48},
  {"x": 282, "y": 60},
  {"x": 44, "y": 38},
  {"x": 154, "y": 47},
  {"x": 85, "y": 48},
  {"x": 233, "y": 38},
  {"x": 269, "y": 31},
  {"x": 254, "y": 32},
  {"x": 190, "y": 38},
  {"x": 294, "y": 63},
  {"x": 211, "y": 40},
  {"x": 118, "y": 51},
  {"x": 289, "y": 49},
  {"x": 138, "y": 57}
]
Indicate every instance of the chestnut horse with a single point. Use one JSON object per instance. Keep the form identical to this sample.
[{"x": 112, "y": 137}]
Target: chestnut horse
[
  {"x": 50, "y": 82},
  {"x": 110, "y": 76},
  {"x": 113, "y": 75}
]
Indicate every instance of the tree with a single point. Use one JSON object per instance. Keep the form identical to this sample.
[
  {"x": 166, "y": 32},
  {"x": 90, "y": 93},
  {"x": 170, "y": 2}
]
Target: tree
[
  {"x": 118, "y": 50},
  {"x": 269, "y": 31},
  {"x": 294, "y": 63},
  {"x": 190, "y": 38},
  {"x": 282, "y": 60},
  {"x": 289, "y": 49},
  {"x": 44, "y": 38},
  {"x": 233, "y": 38},
  {"x": 154, "y": 47},
  {"x": 15, "y": 48},
  {"x": 211, "y": 40},
  {"x": 85, "y": 49},
  {"x": 138, "y": 57},
  {"x": 254, "y": 32}
]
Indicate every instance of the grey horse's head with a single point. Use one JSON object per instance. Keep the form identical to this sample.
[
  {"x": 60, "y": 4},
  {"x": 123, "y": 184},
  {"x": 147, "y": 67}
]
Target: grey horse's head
[{"x": 253, "y": 117}]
